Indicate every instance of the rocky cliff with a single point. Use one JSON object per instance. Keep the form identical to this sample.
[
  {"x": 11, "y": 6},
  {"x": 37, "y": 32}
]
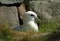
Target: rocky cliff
[
  {"x": 9, "y": 12},
  {"x": 46, "y": 10}
]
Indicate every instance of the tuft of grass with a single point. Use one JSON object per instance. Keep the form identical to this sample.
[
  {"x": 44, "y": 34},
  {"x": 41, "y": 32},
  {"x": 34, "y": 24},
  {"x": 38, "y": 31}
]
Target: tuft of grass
[
  {"x": 7, "y": 34},
  {"x": 51, "y": 26}
]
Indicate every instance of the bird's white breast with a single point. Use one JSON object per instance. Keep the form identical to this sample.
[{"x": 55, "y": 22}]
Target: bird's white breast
[{"x": 31, "y": 26}]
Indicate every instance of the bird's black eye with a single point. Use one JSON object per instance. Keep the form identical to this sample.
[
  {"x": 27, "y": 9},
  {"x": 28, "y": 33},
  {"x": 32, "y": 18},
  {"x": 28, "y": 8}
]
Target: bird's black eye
[{"x": 32, "y": 15}]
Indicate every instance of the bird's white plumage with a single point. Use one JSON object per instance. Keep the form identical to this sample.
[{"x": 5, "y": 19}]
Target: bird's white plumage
[{"x": 28, "y": 21}]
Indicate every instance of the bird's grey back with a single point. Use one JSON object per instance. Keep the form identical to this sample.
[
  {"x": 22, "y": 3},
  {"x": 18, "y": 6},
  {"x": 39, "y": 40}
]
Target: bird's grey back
[{"x": 18, "y": 28}]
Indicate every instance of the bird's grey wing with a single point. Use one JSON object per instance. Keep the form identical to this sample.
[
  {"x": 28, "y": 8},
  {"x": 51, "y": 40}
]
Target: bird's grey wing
[{"x": 18, "y": 28}]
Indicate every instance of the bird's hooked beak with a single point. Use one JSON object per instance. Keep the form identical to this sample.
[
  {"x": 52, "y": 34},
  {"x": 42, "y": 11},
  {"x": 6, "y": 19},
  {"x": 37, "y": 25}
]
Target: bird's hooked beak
[{"x": 37, "y": 20}]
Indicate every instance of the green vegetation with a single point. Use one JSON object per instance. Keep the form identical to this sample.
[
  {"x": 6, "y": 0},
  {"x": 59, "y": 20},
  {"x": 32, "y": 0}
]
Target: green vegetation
[
  {"x": 7, "y": 34},
  {"x": 47, "y": 27},
  {"x": 53, "y": 25}
]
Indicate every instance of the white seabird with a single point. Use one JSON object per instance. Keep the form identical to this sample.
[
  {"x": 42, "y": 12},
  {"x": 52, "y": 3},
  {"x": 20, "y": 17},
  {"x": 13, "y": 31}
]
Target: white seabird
[{"x": 29, "y": 23}]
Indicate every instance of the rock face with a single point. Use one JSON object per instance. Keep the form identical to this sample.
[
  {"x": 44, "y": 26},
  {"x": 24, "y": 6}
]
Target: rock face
[
  {"x": 9, "y": 15},
  {"x": 46, "y": 10},
  {"x": 10, "y": 1},
  {"x": 55, "y": 0},
  {"x": 9, "y": 12}
]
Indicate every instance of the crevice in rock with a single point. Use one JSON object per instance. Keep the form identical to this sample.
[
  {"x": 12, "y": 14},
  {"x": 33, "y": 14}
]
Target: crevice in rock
[{"x": 27, "y": 5}]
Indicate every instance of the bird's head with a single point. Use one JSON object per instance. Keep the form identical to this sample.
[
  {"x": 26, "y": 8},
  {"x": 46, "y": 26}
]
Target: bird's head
[{"x": 32, "y": 16}]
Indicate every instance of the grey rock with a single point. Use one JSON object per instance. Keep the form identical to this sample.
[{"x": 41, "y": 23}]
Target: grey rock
[
  {"x": 9, "y": 15},
  {"x": 55, "y": 0},
  {"x": 46, "y": 10},
  {"x": 10, "y": 1}
]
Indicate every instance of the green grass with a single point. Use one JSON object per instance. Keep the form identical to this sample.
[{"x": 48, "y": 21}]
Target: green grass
[
  {"x": 51, "y": 26},
  {"x": 7, "y": 34}
]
